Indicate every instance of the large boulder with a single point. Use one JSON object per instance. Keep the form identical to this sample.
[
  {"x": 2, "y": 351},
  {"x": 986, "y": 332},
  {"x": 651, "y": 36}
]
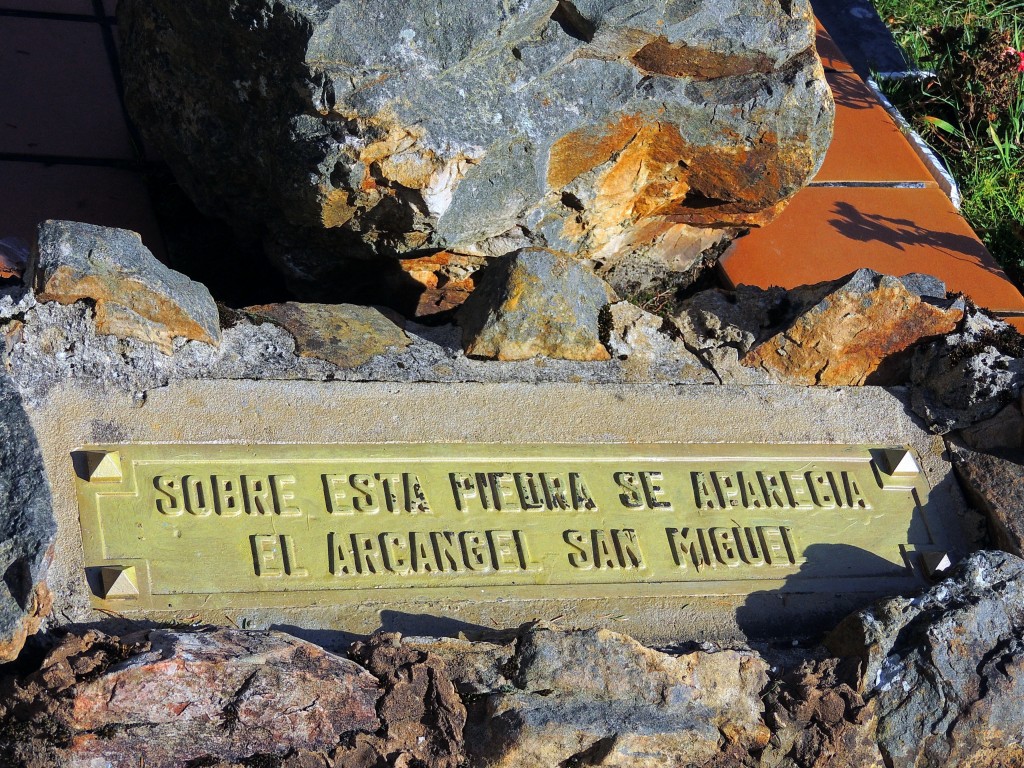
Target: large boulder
[
  {"x": 341, "y": 129},
  {"x": 27, "y": 526}
]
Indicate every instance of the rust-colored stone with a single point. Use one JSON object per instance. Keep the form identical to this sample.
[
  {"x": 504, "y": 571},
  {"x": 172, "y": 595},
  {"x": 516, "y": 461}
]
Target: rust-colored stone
[
  {"x": 422, "y": 715},
  {"x": 842, "y": 340},
  {"x": 40, "y": 603},
  {"x": 660, "y": 57},
  {"x": 582, "y": 150},
  {"x": 995, "y": 485},
  {"x": 336, "y": 211},
  {"x": 343, "y": 334},
  {"x": 447, "y": 280},
  {"x": 135, "y": 295},
  {"x": 650, "y": 180},
  {"x": 819, "y": 720},
  {"x": 169, "y": 698}
]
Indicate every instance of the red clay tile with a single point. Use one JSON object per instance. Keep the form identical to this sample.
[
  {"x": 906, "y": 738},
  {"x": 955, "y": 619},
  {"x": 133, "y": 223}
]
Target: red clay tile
[
  {"x": 12, "y": 259},
  {"x": 828, "y": 232},
  {"x": 866, "y": 146},
  {"x": 32, "y": 192},
  {"x": 1017, "y": 322},
  {"x": 83, "y": 7},
  {"x": 58, "y": 95},
  {"x": 832, "y": 57}
]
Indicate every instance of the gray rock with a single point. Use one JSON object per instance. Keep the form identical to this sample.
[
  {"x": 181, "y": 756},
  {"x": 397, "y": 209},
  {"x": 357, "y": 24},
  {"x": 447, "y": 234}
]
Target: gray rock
[
  {"x": 717, "y": 318},
  {"x": 15, "y": 301},
  {"x": 648, "y": 344},
  {"x": 596, "y": 697},
  {"x": 721, "y": 326},
  {"x": 27, "y": 526},
  {"x": 1000, "y": 433},
  {"x": 597, "y": 128},
  {"x": 535, "y": 303},
  {"x": 344, "y": 335},
  {"x": 968, "y": 376},
  {"x": 924, "y": 285},
  {"x": 135, "y": 295},
  {"x": 52, "y": 343},
  {"x": 995, "y": 485},
  {"x": 946, "y": 670},
  {"x": 671, "y": 263}
]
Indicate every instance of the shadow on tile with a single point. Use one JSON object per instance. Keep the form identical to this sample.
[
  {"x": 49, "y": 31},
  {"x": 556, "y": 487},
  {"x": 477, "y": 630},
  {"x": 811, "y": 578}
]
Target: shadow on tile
[{"x": 902, "y": 234}]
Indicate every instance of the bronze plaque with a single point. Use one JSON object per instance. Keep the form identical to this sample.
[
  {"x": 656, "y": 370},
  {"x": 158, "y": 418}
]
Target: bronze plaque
[{"x": 181, "y": 527}]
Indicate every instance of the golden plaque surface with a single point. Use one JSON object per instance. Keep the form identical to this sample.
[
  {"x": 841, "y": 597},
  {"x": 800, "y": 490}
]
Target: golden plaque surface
[{"x": 178, "y": 527}]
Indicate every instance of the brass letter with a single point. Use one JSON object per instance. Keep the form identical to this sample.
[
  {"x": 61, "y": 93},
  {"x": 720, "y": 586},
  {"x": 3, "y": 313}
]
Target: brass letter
[
  {"x": 197, "y": 496},
  {"x": 282, "y": 496},
  {"x": 172, "y": 506},
  {"x": 226, "y": 497},
  {"x": 335, "y": 494},
  {"x": 628, "y": 547},
  {"x": 464, "y": 489},
  {"x": 474, "y": 549},
  {"x": 653, "y": 491},
  {"x": 581, "y": 498},
  {"x": 366, "y": 502},
  {"x": 628, "y": 483},
  {"x": 266, "y": 556},
  {"x": 580, "y": 558}
]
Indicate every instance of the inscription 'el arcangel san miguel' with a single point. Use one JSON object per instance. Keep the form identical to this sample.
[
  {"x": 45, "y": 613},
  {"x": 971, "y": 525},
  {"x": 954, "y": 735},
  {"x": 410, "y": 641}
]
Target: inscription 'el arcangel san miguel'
[{"x": 300, "y": 520}]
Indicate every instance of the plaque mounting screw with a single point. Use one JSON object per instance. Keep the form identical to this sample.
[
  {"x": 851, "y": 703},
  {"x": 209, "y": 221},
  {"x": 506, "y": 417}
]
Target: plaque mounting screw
[
  {"x": 902, "y": 463},
  {"x": 935, "y": 563},
  {"x": 119, "y": 582},
  {"x": 898, "y": 470},
  {"x": 104, "y": 467}
]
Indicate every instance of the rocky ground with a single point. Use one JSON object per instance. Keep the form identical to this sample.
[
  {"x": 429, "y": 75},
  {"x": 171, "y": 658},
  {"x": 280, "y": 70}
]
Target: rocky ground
[
  {"x": 926, "y": 680},
  {"x": 932, "y": 680}
]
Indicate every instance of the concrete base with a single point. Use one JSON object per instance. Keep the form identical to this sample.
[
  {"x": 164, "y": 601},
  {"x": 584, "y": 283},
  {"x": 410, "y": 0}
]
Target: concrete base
[{"x": 74, "y": 415}]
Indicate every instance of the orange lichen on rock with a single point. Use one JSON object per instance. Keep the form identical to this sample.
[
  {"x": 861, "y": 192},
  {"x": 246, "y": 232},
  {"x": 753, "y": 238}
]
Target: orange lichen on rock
[
  {"x": 583, "y": 150},
  {"x": 335, "y": 210},
  {"x": 40, "y": 603},
  {"x": 852, "y": 332},
  {"x": 135, "y": 295},
  {"x": 661, "y": 57},
  {"x": 650, "y": 181}
]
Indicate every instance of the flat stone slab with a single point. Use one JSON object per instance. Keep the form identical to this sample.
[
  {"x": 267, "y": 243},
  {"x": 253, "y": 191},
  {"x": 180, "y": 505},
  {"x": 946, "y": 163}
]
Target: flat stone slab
[{"x": 333, "y": 508}]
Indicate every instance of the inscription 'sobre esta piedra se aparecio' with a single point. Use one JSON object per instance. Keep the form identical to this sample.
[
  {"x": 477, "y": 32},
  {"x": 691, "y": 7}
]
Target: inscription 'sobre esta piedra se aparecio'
[{"x": 233, "y": 520}]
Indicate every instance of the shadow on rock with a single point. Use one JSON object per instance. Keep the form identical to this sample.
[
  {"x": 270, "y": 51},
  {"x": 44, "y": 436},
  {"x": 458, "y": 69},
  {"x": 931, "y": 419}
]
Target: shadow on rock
[{"x": 833, "y": 581}]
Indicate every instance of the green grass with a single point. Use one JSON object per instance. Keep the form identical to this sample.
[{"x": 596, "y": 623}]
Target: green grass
[{"x": 972, "y": 113}]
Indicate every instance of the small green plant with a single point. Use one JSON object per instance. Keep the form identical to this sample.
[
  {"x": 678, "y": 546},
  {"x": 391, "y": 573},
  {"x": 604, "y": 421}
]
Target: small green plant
[{"x": 972, "y": 110}]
